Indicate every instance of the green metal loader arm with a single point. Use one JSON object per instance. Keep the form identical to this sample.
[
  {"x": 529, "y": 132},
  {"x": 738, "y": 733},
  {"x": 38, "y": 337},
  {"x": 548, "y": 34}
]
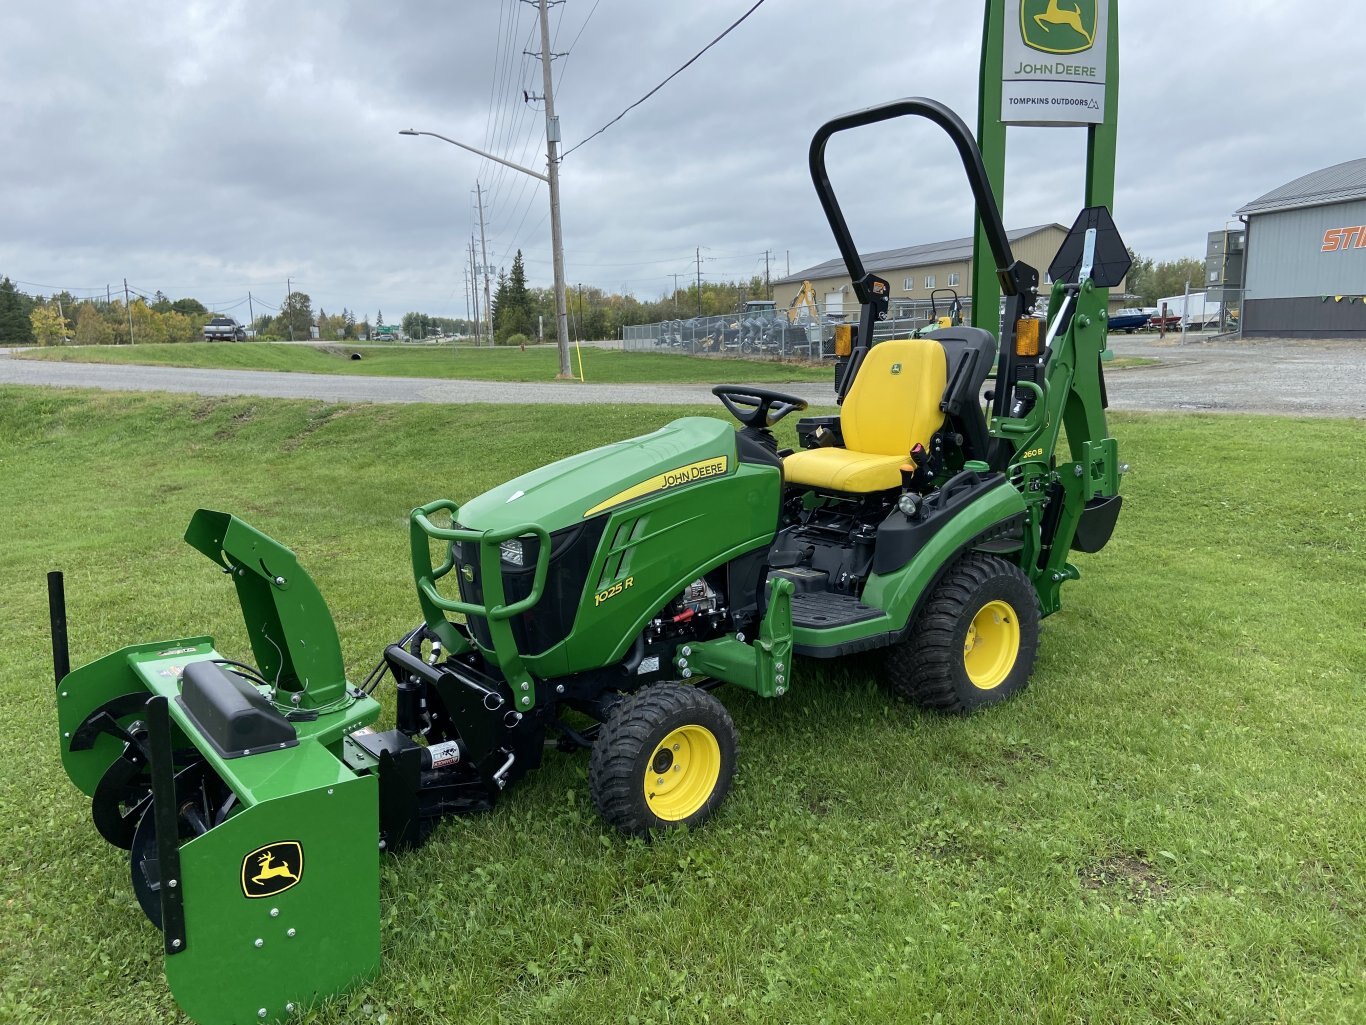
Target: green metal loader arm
[{"x": 496, "y": 609}]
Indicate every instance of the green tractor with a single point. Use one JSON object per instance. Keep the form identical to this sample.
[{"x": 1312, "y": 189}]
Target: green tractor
[{"x": 600, "y": 602}]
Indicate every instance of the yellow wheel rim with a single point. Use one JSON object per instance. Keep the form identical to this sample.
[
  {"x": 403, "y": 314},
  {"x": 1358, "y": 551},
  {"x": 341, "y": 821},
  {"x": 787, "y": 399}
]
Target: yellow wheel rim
[
  {"x": 682, "y": 773},
  {"x": 992, "y": 645}
]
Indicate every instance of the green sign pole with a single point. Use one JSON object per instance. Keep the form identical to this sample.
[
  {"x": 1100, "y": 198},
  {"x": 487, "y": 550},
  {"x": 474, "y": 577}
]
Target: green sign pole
[
  {"x": 991, "y": 139},
  {"x": 1101, "y": 138},
  {"x": 1043, "y": 65}
]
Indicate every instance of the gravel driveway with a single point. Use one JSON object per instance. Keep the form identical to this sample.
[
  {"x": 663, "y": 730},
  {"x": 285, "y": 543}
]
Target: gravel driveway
[{"x": 1296, "y": 378}]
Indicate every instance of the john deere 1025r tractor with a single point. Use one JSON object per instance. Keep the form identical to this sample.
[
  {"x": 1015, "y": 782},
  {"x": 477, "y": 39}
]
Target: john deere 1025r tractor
[{"x": 601, "y": 601}]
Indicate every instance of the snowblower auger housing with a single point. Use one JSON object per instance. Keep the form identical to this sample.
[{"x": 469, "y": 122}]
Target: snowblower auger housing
[{"x": 602, "y": 600}]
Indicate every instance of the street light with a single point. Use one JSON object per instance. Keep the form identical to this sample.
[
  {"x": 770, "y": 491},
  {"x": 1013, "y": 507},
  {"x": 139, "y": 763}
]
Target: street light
[{"x": 556, "y": 240}]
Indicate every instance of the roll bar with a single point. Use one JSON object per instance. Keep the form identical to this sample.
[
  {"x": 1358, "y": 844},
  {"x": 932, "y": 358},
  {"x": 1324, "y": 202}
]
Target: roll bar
[{"x": 971, "y": 156}]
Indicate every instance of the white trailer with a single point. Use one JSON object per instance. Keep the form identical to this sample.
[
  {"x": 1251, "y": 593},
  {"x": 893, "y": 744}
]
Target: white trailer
[{"x": 1194, "y": 310}]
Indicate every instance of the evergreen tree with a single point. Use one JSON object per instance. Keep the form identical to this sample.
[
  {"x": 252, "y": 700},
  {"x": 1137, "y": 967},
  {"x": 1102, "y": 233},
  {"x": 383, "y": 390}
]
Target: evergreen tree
[
  {"x": 501, "y": 308},
  {"x": 15, "y": 306},
  {"x": 518, "y": 316}
]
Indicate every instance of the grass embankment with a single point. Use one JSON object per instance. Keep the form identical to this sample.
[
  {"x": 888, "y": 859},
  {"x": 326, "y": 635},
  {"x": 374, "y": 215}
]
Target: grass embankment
[
  {"x": 603, "y": 366},
  {"x": 1168, "y": 826}
]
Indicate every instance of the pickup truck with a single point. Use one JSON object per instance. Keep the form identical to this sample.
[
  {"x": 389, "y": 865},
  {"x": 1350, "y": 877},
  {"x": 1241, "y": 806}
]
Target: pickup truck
[{"x": 224, "y": 329}]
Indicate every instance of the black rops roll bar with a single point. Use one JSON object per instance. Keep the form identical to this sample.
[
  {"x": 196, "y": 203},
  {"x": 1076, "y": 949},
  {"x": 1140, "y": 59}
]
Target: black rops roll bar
[
  {"x": 931, "y": 110},
  {"x": 1018, "y": 281}
]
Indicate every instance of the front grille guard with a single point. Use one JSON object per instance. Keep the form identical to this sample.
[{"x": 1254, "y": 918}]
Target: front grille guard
[{"x": 496, "y": 610}]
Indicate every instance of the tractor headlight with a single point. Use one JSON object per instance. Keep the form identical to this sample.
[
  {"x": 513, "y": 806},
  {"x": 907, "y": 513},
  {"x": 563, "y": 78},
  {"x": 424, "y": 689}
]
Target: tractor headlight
[{"x": 511, "y": 551}]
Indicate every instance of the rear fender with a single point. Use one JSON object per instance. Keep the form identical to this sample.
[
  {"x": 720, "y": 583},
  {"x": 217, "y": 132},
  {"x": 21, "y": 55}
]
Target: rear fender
[{"x": 899, "y": 593}]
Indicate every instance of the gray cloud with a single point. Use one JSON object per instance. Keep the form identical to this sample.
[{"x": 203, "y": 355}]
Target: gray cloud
[{"x": 209, "y": 148}]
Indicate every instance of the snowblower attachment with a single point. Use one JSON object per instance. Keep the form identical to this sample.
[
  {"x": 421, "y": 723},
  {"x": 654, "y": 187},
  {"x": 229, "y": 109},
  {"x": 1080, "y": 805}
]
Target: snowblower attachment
[{"x": 254, "y": 843}]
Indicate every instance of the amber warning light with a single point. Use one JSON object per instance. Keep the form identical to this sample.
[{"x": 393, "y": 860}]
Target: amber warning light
[{"x": 844, "y": 339}]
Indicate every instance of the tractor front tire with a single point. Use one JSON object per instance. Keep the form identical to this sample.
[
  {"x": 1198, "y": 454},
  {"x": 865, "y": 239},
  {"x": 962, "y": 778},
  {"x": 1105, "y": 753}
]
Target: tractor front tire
[
  {"x": 974, "y": 642},
  {"x": 665, "y": 757}
]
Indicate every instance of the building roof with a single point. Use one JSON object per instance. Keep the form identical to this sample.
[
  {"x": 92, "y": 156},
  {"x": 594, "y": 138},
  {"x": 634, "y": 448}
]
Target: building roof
[
  {"x": 1336, "y": 184},
  {"x": 909, "y": 256}
]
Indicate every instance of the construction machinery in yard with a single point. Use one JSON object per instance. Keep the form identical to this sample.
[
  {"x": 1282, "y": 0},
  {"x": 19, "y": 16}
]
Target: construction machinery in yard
[{"x": 599, "y": 602}]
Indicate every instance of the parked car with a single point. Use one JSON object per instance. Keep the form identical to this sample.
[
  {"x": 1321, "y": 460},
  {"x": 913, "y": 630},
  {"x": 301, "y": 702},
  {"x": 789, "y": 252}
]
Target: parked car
[{"x": 224, "y": 329}]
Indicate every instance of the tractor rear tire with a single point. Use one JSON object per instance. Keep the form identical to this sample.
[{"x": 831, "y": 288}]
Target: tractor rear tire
[
  {"x": 664, "y": 758},
  {"x": 974, "y": 642}
]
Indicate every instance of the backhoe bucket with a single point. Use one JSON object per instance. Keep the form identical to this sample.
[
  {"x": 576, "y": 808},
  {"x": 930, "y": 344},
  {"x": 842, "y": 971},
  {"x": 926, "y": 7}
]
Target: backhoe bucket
[{"x": 254, "y": 842}]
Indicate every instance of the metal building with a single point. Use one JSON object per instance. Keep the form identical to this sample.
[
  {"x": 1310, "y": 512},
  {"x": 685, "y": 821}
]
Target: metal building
[{"x": 1306, "y": 256}]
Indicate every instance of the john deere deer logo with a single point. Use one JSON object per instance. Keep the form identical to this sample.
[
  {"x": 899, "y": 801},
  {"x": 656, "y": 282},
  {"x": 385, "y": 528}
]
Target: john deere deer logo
[
  {"x": 1058, "y": 26},
  {"x": 272, "y": 869}
]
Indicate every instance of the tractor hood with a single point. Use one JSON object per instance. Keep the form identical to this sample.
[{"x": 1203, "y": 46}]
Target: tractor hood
[{"x": 562, "y": 494}]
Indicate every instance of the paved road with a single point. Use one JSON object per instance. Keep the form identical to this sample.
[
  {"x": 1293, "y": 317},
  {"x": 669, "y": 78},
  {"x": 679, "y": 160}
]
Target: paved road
[
  {"x": 1319, "y": 378},
  {"x": 345, "y": 388}
]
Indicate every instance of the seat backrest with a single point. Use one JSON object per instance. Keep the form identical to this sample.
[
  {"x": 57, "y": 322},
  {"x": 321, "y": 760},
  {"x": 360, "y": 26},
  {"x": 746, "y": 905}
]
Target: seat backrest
[{"x": 894, "y": 401}]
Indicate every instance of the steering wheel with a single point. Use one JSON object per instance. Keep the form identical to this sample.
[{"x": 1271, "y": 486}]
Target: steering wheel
[{"x": 757, "y": 407}]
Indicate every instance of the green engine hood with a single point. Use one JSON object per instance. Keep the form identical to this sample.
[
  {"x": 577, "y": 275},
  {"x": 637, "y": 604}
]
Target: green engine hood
[{"x": 693, "y": 448}]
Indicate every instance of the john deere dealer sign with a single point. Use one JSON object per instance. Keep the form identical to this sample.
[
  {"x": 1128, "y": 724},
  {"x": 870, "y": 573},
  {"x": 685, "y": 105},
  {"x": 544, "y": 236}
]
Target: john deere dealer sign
[{"x": 1053, "y": 70}]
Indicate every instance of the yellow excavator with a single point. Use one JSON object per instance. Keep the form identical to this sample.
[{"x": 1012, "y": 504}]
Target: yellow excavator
[{"x": 803, "y": 307}]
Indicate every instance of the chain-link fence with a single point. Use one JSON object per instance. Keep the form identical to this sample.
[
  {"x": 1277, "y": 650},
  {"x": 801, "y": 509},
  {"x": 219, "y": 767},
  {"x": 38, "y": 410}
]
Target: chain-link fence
[{"x": 772, "y": 334}]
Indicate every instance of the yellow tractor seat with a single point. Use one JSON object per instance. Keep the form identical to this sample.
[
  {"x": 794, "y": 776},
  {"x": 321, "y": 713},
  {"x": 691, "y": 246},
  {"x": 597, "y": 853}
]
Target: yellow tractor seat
[{"x": 892, "y": 406}]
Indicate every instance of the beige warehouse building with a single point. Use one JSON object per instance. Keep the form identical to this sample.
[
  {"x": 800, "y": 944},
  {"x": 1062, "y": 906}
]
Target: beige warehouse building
[{"x": 916, "y": 271}]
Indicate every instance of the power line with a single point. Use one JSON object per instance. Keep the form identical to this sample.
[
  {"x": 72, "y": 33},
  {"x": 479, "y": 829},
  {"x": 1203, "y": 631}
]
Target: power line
[
  {"x": 509, "y": 114},
  {"x": 666, "y": 81},
  {"x": 565, "y": 63},
  {"x": 501, "y": 54}
]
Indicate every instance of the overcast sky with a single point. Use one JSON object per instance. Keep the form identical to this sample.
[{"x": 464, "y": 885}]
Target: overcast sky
[{"x": 207, "y": 149}]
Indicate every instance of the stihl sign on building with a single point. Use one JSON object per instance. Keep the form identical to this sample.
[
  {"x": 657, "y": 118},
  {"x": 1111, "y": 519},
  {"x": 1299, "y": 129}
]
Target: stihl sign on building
[{"x": 1336, "y": 239}]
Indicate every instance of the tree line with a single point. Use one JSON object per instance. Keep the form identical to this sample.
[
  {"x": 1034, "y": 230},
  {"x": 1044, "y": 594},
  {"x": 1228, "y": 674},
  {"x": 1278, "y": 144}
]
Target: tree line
[
  {"x": 522, "y": 313},
  {"x": 63, "y": 319},
  {"x": 1152, "y": 281}
]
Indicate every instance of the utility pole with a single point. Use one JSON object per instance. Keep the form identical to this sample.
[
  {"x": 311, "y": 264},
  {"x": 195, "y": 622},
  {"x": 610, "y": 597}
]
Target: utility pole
[
  {"x": 128, "y": 308},
  {"x": 789, "y": 263},
  {"x": 552, "y": 158},
  {"x": 465, "y": 273},
  {"x": 768, "y": 292},
  {"x": 289, "y": 322},
  {"x": 699, "y": 281},
  {"x": 483, "y": 249},
  {"x": 675, "y": 293},
  {"x": 478, "y": 322},
  {"x": 251, "y": 315}
]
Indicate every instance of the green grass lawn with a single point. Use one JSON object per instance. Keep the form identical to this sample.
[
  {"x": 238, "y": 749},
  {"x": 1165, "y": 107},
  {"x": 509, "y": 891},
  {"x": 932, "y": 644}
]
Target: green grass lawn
[
  {"x": 603, "y": 366},
  {"x": 1167, "y": 826}
]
